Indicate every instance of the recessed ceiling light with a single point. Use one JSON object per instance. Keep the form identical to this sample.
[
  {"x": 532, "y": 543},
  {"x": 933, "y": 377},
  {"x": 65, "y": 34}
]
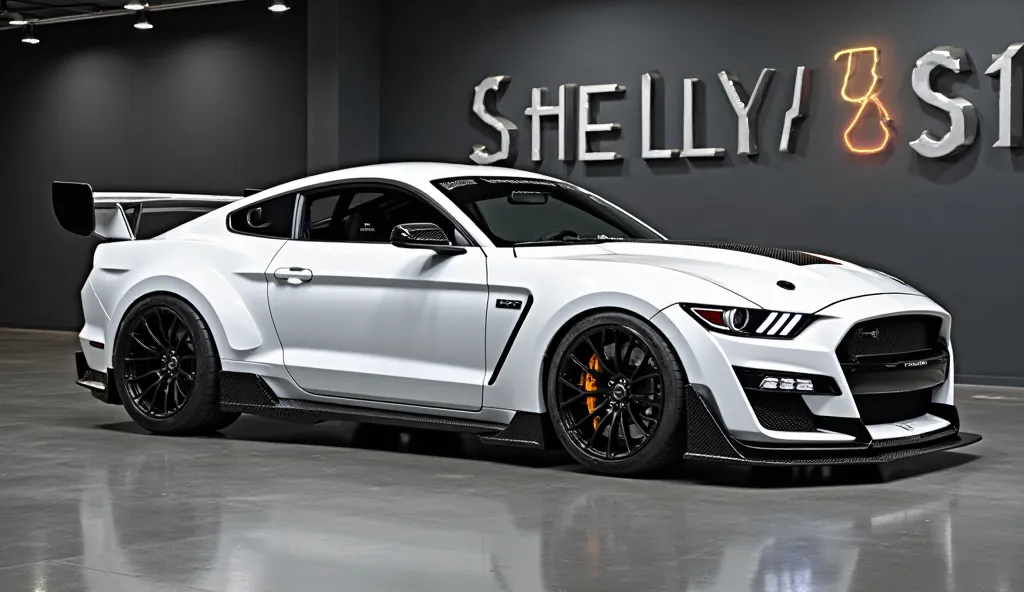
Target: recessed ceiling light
[
  {"x": 30, "y": 35},
  {"x": 134, "y": 5},
  {"x": 141, "y": 21},
  {"x": 279, "y": 6}
]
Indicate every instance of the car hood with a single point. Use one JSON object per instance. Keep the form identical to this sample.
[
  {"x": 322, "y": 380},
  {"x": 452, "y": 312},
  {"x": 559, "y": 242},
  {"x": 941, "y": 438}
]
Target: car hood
[{"x": 751, "y": 272}]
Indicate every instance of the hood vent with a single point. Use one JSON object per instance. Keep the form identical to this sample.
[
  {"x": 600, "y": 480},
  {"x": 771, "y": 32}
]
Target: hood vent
[{"x": 787, "y": 255}]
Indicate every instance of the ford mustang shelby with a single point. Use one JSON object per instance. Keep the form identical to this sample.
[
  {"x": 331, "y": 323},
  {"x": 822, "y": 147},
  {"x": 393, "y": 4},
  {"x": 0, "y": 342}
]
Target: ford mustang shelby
[{"x": 506, "y": 304}]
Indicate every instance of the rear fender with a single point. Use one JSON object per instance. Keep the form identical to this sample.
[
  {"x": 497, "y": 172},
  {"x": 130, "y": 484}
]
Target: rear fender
[{"x": 232, "y": 325}]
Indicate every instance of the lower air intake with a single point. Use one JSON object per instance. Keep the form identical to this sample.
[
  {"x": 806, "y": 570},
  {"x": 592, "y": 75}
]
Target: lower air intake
[
  {"x": 784, "y": 412},
  {"x": 893, "y": 407}
]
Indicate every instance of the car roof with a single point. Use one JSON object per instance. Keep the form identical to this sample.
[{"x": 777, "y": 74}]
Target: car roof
[{"x": 412, "y": 173}]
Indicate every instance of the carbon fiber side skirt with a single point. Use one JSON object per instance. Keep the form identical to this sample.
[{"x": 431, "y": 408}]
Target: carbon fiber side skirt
[{"x": 249, "y": 394}]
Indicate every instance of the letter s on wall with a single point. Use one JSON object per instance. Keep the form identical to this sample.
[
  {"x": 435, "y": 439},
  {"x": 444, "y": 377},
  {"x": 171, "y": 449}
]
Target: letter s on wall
[
  {"x": 508, "y": 130},
  {"x": 963, "y": 118}
]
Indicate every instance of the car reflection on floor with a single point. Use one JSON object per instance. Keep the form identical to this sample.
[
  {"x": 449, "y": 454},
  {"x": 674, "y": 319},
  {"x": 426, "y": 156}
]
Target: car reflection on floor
[{"x": 443, "y": 535}]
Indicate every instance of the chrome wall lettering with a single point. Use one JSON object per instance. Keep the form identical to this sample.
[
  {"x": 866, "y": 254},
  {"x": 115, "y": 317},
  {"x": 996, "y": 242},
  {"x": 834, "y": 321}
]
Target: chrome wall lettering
[
  {"x": 747, "y": 109},
  {"x": 508, "y": 130},
  {"x": 578, "y": 124},
  {"x": 1007, "y": 67},
  {"x": 652, "y": 100},
  {"x": 798, "y": 109},
  {"x": 689, "y": 150},
  {"x": 586, "y": 126},
  {"x": 963, "y": 120},
  {"x": 565, "y": 110}
]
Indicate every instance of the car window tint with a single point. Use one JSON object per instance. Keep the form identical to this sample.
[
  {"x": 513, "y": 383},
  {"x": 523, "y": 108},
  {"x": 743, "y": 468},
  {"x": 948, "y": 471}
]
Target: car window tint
[
  {"x": 367, "y": 216},
  {"x": 270, "y": 218}
]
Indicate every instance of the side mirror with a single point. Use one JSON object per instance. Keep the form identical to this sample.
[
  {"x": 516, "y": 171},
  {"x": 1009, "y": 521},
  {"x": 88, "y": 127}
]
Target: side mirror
[{"x": 424, "y": 235}]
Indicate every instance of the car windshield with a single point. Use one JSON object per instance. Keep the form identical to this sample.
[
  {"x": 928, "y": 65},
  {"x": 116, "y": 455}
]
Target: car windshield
[{"x": 523, "y": 211}]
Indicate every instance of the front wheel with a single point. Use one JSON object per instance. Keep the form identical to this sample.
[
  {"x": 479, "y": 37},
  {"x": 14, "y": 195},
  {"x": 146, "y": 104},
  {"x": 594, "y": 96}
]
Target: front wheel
[
  {"x": 615, "y": 392},
  {"x": 166, "y": 369}
]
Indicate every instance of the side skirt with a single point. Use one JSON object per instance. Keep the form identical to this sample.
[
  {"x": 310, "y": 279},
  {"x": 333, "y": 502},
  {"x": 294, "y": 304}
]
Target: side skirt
[{"x": 250, "y": 394}]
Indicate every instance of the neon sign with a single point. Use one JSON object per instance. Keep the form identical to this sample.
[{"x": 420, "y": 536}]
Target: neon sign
[{"x": 870, "y": 97}]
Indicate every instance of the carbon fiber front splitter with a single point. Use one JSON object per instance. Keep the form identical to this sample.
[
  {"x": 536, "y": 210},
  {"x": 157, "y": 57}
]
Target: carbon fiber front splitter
[{"x": 707, "y": 440}]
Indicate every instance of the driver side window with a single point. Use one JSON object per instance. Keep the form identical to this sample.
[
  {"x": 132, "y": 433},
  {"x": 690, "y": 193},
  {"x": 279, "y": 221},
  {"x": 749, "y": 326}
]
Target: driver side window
[{"x": 366, "y": 214}]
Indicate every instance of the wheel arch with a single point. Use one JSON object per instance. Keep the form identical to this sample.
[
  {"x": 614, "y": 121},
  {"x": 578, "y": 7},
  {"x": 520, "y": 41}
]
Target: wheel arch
[
  {"x": 231, "y": 325},
  {"x": 559, "y": 334}
]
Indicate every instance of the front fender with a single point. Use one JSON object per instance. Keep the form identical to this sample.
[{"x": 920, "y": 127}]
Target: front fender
[{"x": 563, "y": 291}]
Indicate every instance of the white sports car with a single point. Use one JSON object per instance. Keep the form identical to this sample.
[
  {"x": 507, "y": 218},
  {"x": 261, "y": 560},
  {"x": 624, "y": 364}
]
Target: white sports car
[{"x": 507, "y": 304}]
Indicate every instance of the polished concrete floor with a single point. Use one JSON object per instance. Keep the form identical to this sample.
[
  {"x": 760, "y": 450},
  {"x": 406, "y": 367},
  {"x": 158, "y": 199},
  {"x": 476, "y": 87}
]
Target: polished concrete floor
[{"x": 89, "y": 502}]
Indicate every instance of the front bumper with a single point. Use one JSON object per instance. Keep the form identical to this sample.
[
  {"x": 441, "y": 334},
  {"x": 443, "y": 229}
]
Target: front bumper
[
  {"x": 707, "y": 440},
  {"x": 841, "y": 419}
]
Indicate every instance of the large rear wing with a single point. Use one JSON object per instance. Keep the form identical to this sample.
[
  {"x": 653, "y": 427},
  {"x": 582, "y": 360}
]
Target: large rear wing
[{"x": 116, "y": 216}]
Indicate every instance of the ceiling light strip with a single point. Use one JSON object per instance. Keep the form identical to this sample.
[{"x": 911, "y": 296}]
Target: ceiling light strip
[{"x": 122, "y": 12}]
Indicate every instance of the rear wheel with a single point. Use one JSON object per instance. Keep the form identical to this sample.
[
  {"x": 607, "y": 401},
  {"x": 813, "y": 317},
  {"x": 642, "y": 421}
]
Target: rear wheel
[
  {"x": 166, "y": 369},
  {"x": 615, "y": 394}
]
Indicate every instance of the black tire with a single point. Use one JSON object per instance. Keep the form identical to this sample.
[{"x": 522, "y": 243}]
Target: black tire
[
  {"x": 166, "y": 369},
  {"x": 652, "y": 407}
]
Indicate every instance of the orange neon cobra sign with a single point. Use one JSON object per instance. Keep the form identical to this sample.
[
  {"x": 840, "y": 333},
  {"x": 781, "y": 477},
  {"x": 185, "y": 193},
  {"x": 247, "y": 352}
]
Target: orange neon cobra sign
[{"x": 870, "y": 97}]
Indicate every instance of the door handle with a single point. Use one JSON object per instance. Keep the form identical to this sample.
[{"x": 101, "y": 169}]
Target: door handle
[{"x": 294, "y": 275}]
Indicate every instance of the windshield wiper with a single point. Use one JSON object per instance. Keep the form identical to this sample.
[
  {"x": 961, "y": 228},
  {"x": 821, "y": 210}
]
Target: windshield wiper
[{"x": 572, "y": 240}]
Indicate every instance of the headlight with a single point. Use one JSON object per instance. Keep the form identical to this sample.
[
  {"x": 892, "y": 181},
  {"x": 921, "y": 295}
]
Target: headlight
[{"x": 750, "y": 322}]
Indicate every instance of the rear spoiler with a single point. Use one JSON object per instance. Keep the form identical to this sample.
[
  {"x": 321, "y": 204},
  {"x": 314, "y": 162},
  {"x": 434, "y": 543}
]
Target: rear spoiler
[{"x": 116, "y": 216}]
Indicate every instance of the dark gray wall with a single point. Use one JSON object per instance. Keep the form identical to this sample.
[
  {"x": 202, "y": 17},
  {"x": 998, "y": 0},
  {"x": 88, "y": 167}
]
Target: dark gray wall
[
  {"x": 343, "y": 83},
  {"x": 211, "y": 100},
  {"x": 950, "y": 228}
]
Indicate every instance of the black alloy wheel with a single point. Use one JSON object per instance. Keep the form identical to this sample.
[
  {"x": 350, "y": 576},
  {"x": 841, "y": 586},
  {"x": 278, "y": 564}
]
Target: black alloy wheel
[
  {"x": 610, "y": 392},
  {"x": 615, "y": 394},
  {"x": 167, "y": 370},
  {"x": 160, "y": 363}
]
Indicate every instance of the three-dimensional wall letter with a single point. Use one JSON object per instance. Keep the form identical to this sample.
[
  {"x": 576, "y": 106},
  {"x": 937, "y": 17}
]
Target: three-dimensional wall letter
[
  {"x": 566, "y": 112},
  {"x": 508, "y": 130},
  {"x": 652, "y": 101},
  {"x": 746, "y": 109},
  {"x": 1007, "y": 67},
  {"x": 689, "y": 151},
  {"x": 963, "y": 119},
  {"x": 587, "y": 127},
  {"x": 797, "y": 111}
]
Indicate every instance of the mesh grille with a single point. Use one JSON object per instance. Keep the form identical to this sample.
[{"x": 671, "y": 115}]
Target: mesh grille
[
  {"x": 893, "y": 407},
  {"x": 890, "y": 337},
  {"x": 782, "y": 412},
  {"x": 95, "y": 376}
]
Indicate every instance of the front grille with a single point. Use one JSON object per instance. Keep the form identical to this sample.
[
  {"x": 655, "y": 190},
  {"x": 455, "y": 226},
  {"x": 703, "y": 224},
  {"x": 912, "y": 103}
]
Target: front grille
[
  {"x": 893, "y": 407},
  {"x": 785, "y": 412},
  {"x": 890, "y": 336}
]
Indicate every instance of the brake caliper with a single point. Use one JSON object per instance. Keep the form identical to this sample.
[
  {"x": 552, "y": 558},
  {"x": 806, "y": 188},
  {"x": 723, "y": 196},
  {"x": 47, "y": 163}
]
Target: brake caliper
[{"x": 589, "y": 383}]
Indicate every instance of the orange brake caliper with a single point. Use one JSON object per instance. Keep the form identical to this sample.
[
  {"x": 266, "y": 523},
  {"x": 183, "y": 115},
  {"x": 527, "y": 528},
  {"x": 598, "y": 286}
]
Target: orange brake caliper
[{"x": 589, "y": 383}]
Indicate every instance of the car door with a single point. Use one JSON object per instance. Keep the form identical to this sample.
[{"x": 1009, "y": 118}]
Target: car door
[{"x": 361, "y": 318}]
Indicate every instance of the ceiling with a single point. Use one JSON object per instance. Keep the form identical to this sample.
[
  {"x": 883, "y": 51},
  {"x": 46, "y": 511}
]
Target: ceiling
[{"x": 44, "y": 9}]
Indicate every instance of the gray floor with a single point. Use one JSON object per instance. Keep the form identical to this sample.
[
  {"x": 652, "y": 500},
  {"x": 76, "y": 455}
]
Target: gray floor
[{"x": 89, "y": 502}]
